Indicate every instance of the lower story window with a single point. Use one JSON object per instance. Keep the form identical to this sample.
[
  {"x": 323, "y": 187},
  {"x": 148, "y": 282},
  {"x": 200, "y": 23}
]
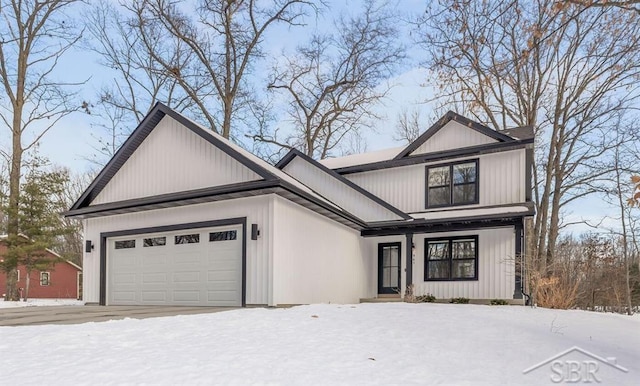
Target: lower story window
[
  {"x": 452, "y": 258},
  {"x": 45, "y": 278}
]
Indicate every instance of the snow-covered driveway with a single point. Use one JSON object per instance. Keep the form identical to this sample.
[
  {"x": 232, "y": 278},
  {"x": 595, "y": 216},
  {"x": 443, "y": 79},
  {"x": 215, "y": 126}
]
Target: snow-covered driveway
[{"x": 394, "y": 343}]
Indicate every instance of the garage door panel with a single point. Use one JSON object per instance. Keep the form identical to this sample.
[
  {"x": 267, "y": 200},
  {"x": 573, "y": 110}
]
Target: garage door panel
[
  {"x": 186, "y": 277},
  {"x": 186, "y": 296},
  {"x": 124, "y": 296},
  {"x": 154, "y": 278},
  {"x": 187, "y": 257},
  {"x": 176, "y": 268},
  {"x": 222, "y": 296},
  {"x": 154, "y": 296},
  {"x": 154, "y": 261},
  {"x": 221, "y": 276},
  {"x": 124, "y": 278}
]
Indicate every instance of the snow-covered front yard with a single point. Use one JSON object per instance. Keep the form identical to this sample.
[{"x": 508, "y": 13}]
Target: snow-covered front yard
[{"x": 393, "y": 343}]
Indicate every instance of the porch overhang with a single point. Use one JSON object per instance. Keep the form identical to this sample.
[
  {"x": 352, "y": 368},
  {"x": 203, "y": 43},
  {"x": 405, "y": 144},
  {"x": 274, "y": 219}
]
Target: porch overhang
[{"x": 417, "y": 226}]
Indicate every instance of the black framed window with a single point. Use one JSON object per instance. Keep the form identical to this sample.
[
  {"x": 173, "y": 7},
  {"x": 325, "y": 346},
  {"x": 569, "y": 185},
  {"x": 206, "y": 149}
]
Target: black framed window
[
  {"x": 453, "y": 258},
  {"x": 452, "y": 184},
  {"x": 154, "y": 242}
]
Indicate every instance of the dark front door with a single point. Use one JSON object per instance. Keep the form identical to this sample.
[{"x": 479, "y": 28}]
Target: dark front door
[{"x": 389, "y": 268}]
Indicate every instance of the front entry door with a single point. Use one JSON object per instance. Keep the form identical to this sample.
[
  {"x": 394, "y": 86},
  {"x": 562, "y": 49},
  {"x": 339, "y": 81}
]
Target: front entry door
[{"x": 389, "y": 268}]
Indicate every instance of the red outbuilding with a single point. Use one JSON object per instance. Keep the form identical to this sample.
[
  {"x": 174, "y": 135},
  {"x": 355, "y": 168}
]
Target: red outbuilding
[{"x": 62, "y": 280}]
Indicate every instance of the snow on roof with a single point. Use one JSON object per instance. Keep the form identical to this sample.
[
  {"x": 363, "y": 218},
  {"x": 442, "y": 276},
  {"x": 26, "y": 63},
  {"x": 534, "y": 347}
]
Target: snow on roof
[
  {"x": 362, "y": 158},
  {"x": 471, "y": 212}
]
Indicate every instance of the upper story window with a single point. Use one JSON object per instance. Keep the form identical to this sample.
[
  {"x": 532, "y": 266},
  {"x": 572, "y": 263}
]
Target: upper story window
[{"x": 452, "y": 184}]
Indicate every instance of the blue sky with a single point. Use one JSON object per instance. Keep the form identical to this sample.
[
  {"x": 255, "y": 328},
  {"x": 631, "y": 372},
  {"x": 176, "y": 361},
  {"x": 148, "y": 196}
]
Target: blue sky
[{"x": 70, "y": 142}]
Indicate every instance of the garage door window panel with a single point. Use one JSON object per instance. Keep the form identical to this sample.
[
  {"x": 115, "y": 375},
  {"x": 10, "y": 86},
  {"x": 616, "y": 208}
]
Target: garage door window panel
[
  {"x": 187, "y": 239},
  {"x": 222, "y": 236},
  {"x": 155, "y": 242},
  {"x": 125, "y": 244}
]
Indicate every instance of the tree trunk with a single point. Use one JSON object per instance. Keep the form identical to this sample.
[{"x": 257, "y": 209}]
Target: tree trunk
[
  {"x": 14, "y": 197},
  {"x": 27, "y": 285}
]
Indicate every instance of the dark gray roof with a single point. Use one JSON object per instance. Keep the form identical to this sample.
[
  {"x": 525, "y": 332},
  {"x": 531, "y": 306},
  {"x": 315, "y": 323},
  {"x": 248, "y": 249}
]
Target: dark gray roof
[{"x": 522, "y": 132}]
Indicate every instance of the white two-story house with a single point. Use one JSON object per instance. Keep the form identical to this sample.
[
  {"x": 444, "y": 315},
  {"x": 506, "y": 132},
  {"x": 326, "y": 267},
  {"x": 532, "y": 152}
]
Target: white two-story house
[{"x": 181, "y": 216}]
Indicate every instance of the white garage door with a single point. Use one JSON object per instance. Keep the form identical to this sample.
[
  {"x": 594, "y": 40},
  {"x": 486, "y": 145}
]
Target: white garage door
[{"x": 200, "y": 267}]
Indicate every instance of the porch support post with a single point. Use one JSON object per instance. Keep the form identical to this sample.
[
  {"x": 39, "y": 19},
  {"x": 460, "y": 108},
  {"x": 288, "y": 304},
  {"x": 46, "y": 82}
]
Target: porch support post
[
  {"x": 409, "y": 255},
  {"x": 519, "y": 260}
]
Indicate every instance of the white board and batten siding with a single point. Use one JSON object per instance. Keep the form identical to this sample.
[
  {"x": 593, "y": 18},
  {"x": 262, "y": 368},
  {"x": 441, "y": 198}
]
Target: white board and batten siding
[
  {"x": 496, "y": 272},
  {"x": 257, "y": 210},
  {"x": 173, "y": 159},
  {"x": 502, "y": 181},
  {"x": 453, "y": 135},
  {"x": 335, "y": 190},
  {"x": 317, "y": 260}
]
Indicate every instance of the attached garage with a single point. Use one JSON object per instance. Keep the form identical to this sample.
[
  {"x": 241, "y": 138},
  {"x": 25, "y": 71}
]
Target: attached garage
[
  {"x": 182, "y": 217},
  {"x": 195, "y": 267}
]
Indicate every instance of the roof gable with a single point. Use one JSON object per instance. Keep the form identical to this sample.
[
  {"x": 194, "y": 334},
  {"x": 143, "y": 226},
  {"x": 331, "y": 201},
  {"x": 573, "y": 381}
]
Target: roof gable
[
  {"x": 140, "y": 134},
  {"x": 272, "y": 179},
  {"x": 452, "y": 131},
  {"x": 337, "y": 188},
  {"x": 172, "y": 159}
]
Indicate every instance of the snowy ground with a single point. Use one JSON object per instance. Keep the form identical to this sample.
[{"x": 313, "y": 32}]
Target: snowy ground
[
  {"x": 41, "y": 302},
  {"x": 394, "y": 343}
]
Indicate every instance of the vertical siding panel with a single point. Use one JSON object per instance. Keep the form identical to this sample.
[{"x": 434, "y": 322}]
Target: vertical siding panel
[
  {"x": 172, "y": 159},
  {"x": 453, "y": 136},
  {"x": 301, "y": 272},
  {"x": 496, "y": 248},
  {"x": 502, "y": 178}
]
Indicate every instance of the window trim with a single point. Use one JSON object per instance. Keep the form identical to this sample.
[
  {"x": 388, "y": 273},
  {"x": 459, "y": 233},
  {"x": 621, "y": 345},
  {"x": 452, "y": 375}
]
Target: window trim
[
  {"x": 451, "y": 183},
  {"x": 450, "y": 240},
  {"x": 48, "y": 278}
]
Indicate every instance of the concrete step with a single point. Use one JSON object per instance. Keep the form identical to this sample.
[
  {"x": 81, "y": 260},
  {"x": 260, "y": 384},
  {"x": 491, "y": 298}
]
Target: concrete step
[{"x": 394, "y": 299}]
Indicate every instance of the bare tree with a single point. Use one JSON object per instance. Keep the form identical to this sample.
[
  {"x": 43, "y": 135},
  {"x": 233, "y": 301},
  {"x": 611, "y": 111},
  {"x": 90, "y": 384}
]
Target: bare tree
[
  {"x": 568, "y": 71},
  {"x": 138, "y": 81},
  {"x": 629, "y": 5},
  {"x": 409, "y": 126},
  {"x": 35, "y": 35},
  {"x": 218, "y": 47},
  {"x": 615, "y": 191},
  {"x": 331, "y": 82},
  {"x": 4, "y": 194},
  {"x": 69, "y": 244}
]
